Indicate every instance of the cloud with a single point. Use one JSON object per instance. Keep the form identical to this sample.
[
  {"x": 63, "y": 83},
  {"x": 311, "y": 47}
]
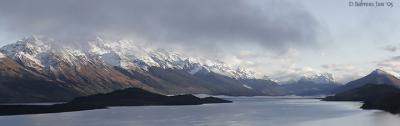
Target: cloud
[
  {"x": 274, "y": 25},
  {"x": 391, "y": 48},
  {"x": 393, "y": 62},
  {"x": 257, "y": 34},
  {"x": 391, "y": 65},
  {"x": 344, "y": 72},
  {"x": 244, "y": 54},
  {"x": 288, "y": 58},
  {"x": 339, "y": 67},
  {"x": 292, "y": 73}
]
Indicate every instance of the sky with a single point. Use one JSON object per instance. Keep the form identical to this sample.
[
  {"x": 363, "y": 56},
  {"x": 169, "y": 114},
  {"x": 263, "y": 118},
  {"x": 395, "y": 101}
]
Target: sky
[{"x": 283, "y": 39}]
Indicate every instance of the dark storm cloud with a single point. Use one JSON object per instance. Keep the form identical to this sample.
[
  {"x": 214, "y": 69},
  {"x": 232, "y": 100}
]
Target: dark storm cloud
[{"x": 274, "y": 24}]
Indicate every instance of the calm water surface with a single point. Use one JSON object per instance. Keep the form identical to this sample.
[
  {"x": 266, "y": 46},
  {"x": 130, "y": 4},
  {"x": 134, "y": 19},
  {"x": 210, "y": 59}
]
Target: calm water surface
[{"x": 245, "y": 111}]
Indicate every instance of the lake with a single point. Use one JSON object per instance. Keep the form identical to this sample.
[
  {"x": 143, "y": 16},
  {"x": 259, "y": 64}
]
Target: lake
[{"x": 245, "y": 111}]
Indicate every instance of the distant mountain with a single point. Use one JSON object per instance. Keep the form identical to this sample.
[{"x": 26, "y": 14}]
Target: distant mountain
[
  {"x": 262, "y": 86},
  {"x": 377, "y": 76},
  {"x": 318, "y": 84},
  {"x": 100, "y": 66}
]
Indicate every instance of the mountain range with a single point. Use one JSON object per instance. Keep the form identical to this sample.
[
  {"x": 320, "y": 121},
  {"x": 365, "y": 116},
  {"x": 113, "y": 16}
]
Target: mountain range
[{"x": 39, "y": 69}]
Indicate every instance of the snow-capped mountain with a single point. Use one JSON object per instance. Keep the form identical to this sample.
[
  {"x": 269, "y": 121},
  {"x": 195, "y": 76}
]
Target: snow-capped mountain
[
  {"x": 129, "y": 55},
  {"x": 41, "y": 53},
  {"x": 100, "y": 66},
  {"x": 314, "y": 84},
  {"x": 319, "y": 78},
  {"x": 36, "y": 52},
  {"x": 316, "y": 78}
]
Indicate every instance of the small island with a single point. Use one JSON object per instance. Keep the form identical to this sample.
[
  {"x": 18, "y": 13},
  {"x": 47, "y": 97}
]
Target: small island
[{"x": 125, "y": 97}]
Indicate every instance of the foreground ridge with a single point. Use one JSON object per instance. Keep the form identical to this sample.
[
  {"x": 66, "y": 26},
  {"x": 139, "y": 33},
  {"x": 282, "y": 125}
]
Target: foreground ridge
[
  {"x": 373, "y": 96},
  {"x": 125, "y": 97}
]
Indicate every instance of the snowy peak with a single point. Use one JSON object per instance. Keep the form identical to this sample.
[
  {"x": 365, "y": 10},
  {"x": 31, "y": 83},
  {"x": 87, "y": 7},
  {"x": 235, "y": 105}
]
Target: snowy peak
[
  {"x": 2, "y": 55},
  {"x": 40, "y": 53},
  {"x": 323, "y": 78},
  {"x": 30, "y": 45},
  {"x": 379, "y": 72}
]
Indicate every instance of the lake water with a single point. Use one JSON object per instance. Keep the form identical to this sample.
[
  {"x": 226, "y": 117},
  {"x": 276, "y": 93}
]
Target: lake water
[{"x": 245, "y": 111}]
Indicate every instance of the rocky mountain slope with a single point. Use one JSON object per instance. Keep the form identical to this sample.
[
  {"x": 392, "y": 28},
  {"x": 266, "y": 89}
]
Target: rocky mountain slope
[{"x": 20, "y": 84}]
